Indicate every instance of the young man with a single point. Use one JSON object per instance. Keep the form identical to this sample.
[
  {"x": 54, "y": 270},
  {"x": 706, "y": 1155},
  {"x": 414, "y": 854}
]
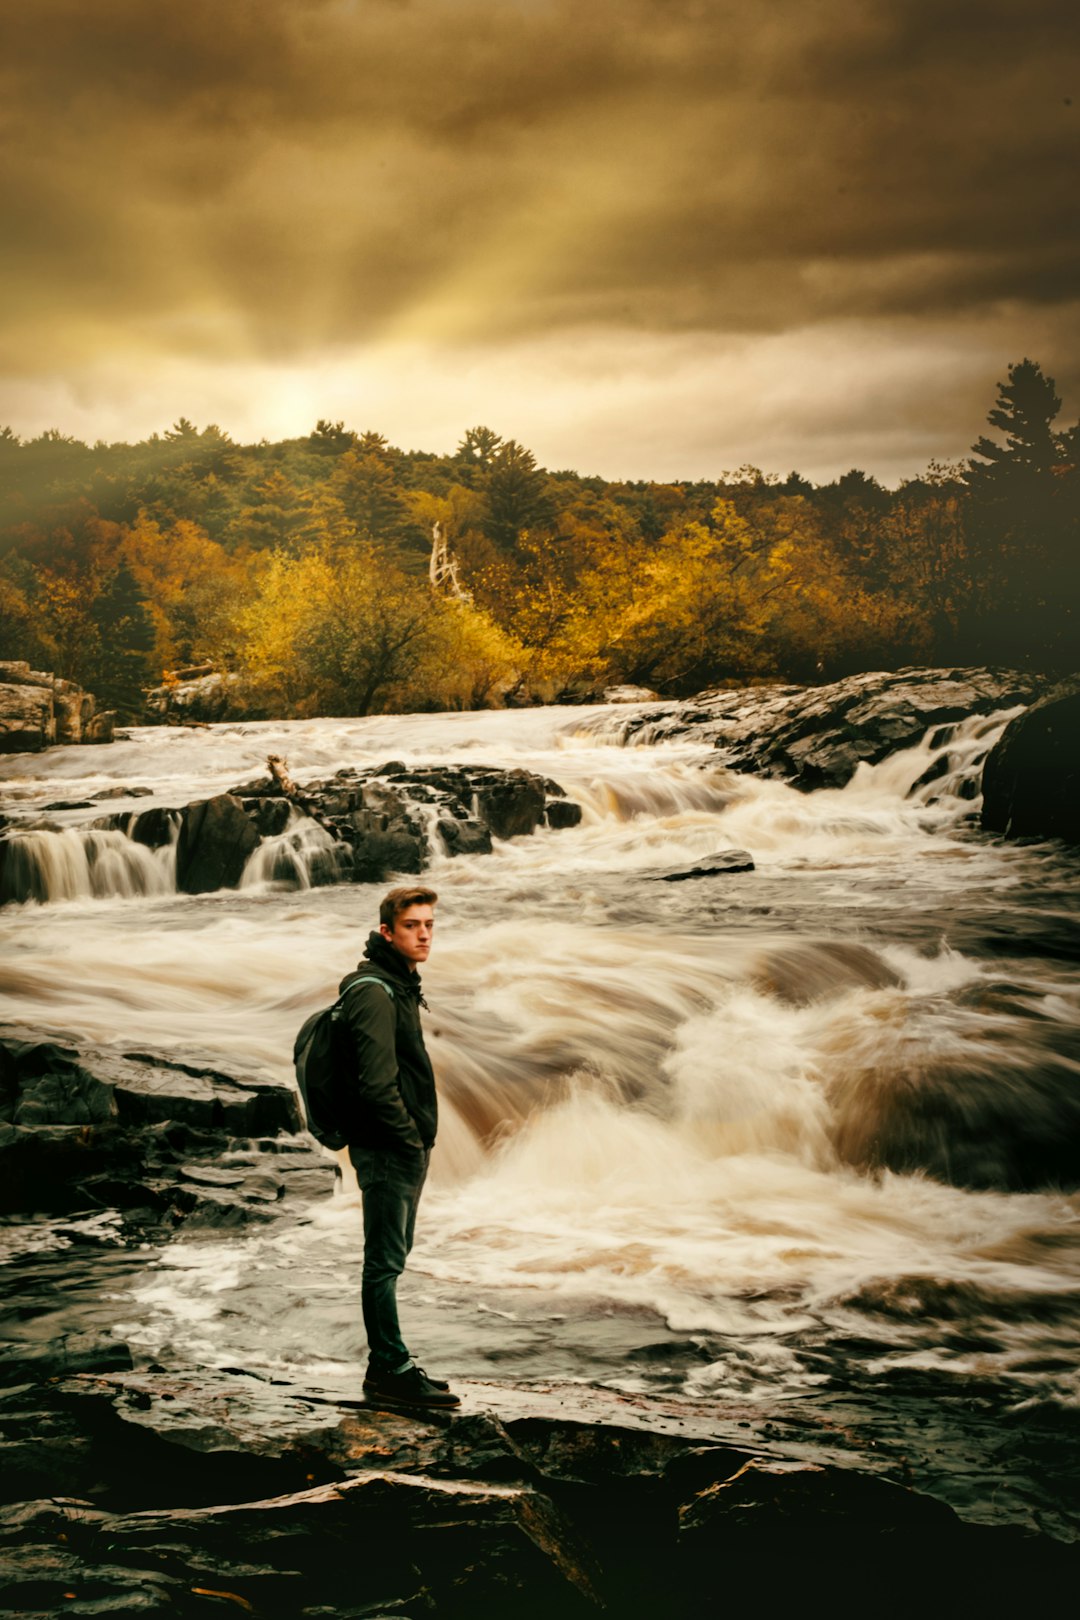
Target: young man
[{"x": 392, "y": 1131}]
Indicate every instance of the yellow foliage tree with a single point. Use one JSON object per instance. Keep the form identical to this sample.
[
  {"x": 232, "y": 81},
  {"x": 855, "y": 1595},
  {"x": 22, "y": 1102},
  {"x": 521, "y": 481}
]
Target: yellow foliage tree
[
  {"x": 194, "y": 590},
  {"x": 336, "y": 632}
]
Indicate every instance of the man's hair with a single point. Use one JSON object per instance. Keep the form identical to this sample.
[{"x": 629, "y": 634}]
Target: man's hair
[{"x": 398, "y": 900}]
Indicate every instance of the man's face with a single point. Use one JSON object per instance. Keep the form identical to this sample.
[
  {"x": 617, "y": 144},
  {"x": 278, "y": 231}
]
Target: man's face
[{"x": 411, "y": 933}]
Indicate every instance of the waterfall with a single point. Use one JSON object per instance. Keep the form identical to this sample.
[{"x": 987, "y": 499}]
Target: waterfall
[{"x": 84, "y": 863}]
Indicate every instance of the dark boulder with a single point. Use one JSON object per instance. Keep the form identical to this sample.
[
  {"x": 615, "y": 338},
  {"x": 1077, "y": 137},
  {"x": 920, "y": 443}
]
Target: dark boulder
[
  {"x": 216, "y": 839},
  {"x": 154, "y": 827},
  {"x": 464, "y": 837},
  {"x": 1031, "y": 780},
  {"x": 84, "y": 1128},
  {"x": 560, "y": 813},
  {"x": 512, "y": 806}
]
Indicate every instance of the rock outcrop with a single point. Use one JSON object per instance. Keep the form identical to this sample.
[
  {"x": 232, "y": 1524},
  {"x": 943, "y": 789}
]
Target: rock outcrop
[
  {"x": 724, "y": 862},
  {"x": 387, "y": 819},
  {"x": 135, "y": 1491},
  {"x": 1031, "y": 780},
  {"x": 86, "y": 1128},
  {"x": 216, "y": 839},
  {"x": 196, "y": 697},
  {"x": 355, "y": 827},
  {"x": 38, "y": 710},
  {"x": 818, "y": 736}
]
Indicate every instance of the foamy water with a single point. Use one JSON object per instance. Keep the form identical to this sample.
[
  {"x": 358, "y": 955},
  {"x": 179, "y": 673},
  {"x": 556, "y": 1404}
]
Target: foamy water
[{"x": 713, "y": 1124}]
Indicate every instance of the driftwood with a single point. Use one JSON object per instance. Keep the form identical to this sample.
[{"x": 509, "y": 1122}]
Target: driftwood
[{"x": 279, "y": 770}]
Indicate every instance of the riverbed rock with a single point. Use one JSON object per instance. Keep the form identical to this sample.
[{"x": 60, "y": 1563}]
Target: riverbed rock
[
  {"x": 385, "y": 819},
  {"x": 818, "y": 736},
  {"x": 362, "y": 826},
  {"x": 630, "y": 694},
  {"x": 724, "y": 862},
  {"x": 1031, "y": 780},
  {"x": 38, "y": 710},
  {"x": 83, "y": 1128},
  {"x": 216, "y": 839}
]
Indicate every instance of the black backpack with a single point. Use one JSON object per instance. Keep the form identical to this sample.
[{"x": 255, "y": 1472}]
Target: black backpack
[{"x": 325, "y": 1063}]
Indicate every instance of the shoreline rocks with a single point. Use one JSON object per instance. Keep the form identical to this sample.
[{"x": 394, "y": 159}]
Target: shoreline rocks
[
  {"x": 817, "y": 737},
  {"x": 147, "y": 1490},
  {"x": 87, "y": 1128},
  {"x": 38, "y": 710},
  {"x": 197, "y": 696}
]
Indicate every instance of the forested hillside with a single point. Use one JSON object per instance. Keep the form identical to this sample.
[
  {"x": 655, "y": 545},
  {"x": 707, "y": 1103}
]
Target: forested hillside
[{"x": 306, "y": 566}]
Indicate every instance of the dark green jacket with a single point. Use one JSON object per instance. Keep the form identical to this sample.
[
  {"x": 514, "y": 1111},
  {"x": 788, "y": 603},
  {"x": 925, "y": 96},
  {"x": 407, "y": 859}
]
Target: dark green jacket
[{"x": 394, "y": 1105}]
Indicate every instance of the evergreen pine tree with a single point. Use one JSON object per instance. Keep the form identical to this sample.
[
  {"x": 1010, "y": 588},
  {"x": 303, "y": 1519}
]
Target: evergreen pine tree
[{"x": 127, "y": 639}]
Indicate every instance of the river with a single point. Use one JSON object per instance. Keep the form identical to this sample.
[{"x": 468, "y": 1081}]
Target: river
[{"x": 788, "y": 1140}]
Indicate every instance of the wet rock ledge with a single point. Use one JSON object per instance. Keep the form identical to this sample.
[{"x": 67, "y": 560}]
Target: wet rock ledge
[
  {"x": 166, "y": 1143},
  {"x": 358, "y": 826},
  {"x": 818, "y": 736},
  {"x": 133, "y": 1492}
]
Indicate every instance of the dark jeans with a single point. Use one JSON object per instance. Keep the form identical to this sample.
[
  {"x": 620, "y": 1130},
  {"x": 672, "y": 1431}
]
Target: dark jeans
[{"x": 391, "y": 1184}]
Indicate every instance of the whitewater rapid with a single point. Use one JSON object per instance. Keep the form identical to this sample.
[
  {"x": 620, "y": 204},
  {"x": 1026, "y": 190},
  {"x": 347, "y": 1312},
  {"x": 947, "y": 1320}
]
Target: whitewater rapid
[{"x": 665, "y": 1106}]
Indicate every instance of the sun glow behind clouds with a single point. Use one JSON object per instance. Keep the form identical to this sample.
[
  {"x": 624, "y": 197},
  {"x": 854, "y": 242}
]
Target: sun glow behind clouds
[
  {"x": 650, "y": 238},
  {"x": 621, "y": 404}
]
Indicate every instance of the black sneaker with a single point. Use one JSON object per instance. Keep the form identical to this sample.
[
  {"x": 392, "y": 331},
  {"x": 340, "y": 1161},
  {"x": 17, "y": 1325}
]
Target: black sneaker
[
  {"x": 408, "y": 1388},
  {"x": 436, "y": 1383}
]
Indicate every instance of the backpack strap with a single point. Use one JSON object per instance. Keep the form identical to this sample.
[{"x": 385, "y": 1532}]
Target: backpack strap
[{"x": 364, "y": 978}]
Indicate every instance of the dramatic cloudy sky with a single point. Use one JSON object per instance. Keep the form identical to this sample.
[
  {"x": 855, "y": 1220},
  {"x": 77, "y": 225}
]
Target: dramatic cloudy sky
[{"x": 649, "y": 238}]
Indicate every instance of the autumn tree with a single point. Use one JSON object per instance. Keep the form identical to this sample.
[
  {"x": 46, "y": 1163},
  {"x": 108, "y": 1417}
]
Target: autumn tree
[
  {"x": 193, "y": 589},
  {"x": 516, "y": 495},
  {"x": 334, "y": 632}
]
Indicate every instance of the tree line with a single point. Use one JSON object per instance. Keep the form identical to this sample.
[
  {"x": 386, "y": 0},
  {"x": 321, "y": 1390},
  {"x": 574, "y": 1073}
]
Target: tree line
[{"x": 306, "y": 566}]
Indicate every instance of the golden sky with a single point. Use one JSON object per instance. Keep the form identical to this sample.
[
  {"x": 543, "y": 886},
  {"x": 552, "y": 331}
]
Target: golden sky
[{"x": 648, "y": 238}]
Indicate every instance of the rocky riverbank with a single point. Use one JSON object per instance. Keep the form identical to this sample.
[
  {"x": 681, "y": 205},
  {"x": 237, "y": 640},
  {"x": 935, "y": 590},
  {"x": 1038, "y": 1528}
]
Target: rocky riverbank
[
  {"x": 133, "y": 1487},
  {"x": 38, "y": 710},
  {"x": 144, "y": 1492},
  {"x": 818, "y": 736}
]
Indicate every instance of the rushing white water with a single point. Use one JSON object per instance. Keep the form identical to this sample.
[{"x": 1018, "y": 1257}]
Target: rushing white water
[{"x": 667, "y": 1107}]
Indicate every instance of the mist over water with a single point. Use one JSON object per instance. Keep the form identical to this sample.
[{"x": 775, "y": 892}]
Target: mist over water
[{"x": 760, "y": 1137}]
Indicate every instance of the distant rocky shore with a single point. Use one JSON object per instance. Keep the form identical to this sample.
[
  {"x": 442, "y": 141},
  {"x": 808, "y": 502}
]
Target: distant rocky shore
[{"x": 38, "y": 710}]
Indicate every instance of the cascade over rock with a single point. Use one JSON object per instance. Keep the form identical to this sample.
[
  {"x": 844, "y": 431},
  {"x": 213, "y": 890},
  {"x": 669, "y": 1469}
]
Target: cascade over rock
[
  {"x": 356, "y": 826},
  {"x": 39, "y": 709},
  {"x": 1031, "y": 780},
  {"x": 818, "y": 736}
]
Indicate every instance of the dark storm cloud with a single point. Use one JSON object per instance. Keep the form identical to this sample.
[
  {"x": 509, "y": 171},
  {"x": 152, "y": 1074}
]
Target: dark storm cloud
[{"x": 275, "y": 177}]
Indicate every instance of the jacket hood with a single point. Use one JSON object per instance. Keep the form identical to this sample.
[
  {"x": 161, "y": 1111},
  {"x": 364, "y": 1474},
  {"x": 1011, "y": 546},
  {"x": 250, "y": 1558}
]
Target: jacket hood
[{"x": 390, "y": 963}]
